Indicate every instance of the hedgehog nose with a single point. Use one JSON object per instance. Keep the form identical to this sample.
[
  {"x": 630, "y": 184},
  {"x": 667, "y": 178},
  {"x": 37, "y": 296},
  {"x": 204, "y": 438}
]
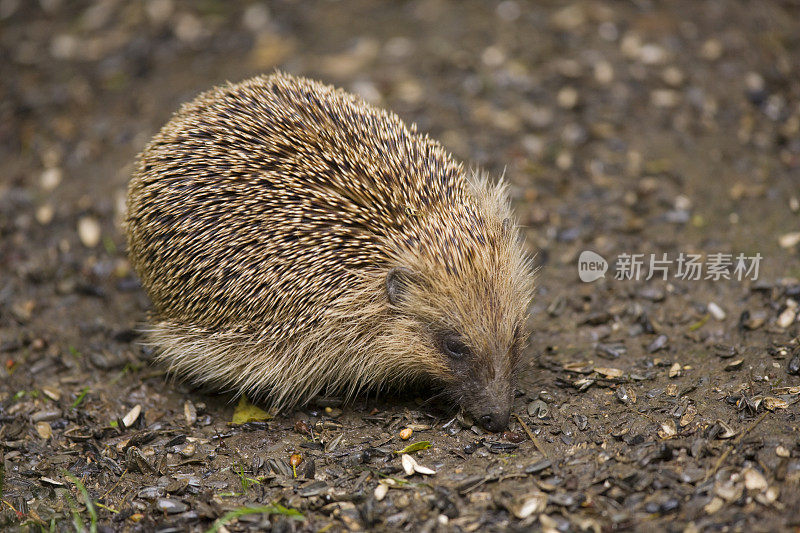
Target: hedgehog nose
[{"x": 494, "y": 421}]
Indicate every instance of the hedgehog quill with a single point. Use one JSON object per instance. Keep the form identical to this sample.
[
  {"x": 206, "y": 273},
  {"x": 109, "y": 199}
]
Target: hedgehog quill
[{"x": 295, "y": 240}]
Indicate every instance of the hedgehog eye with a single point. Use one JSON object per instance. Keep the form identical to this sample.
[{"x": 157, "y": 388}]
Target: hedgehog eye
[{"x": 454, "y": 347}]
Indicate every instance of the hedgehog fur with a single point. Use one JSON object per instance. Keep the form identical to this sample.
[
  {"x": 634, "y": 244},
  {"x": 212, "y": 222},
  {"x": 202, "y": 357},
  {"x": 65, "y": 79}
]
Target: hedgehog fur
[{"x": 295, "y": 240}]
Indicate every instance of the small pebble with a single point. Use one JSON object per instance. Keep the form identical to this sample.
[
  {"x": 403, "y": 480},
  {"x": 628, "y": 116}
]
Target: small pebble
[{"x": 405, "y": 434}]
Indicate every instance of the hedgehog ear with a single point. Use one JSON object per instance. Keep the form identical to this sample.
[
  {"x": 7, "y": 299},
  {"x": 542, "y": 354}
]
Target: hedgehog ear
[
  {"x": 398, "y": 281},
  {"x": 507, "y": 226}
]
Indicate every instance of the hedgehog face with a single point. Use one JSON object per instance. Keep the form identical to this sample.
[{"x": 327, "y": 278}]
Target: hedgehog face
[
  {"x": 472, "y": 343},
  {"x": 483, "y": 375}
]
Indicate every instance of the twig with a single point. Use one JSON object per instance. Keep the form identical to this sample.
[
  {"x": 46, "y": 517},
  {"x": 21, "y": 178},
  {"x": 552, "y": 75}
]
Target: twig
[
  {"x": 115, "y": 485},
  {"x": 531, "y": 436}
]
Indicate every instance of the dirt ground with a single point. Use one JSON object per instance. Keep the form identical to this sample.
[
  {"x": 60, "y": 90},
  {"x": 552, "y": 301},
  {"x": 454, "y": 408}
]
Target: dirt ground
[{"x": 634, "y": 127}]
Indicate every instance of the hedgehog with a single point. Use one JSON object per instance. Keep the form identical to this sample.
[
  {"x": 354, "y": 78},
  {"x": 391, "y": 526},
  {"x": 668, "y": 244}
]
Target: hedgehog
[{"x": 296, "y": 241}]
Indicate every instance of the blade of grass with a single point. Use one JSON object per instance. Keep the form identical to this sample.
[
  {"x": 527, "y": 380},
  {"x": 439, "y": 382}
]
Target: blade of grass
[
  {"x": 80, "y": 397},
  {"x": 267, "y": 509},
  {"x": 87, "y": 499}
]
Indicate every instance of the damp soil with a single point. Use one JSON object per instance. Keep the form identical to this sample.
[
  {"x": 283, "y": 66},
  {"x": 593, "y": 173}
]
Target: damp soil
[{"x": 621, "y": 127}]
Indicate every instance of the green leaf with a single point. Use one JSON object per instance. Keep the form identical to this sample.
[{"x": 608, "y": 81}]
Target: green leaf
[
  {"x": 417, "y": 446},
  {"x": 247, "y": 412}
]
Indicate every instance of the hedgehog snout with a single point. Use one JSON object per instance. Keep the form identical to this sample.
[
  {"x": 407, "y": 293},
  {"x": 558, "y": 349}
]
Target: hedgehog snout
[
  {"x": 494, "y": 408},
  {"x": 490, "y": 403}
]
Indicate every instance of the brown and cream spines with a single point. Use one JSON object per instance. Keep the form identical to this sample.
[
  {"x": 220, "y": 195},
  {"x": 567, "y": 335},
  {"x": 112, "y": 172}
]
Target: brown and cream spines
[{"x": 296, "y": 240}]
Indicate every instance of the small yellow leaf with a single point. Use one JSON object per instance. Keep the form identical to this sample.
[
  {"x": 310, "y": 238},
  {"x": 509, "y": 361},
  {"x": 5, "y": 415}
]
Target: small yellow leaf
[
  {"x": 247, "y": 412},
  {"x": 417, "y": 446}
]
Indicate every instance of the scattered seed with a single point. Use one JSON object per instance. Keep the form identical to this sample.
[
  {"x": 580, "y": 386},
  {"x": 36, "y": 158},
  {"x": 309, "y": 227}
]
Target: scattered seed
[
  {"x": 610, "y": 351},
  {"x": 609, "y": 372},
  {"x": 734, "y": 365},
  {"x": 46, "y": 415},
  {"x": 789, "y": 240},
  {"x": 626, "y": 395},
  {"x": 754, "y": 480},
  {"x": 408, "y": 463},
  {"x": 129, "y": 419},
  {"x": 769, "y": 496},
  {"x": 405, "y": 434},
  {"x": 659, "y": 343},
  {"x": 675, "y": 370},
  {"x": 294, "y": 460},
  {"x": 538, "y": 466},
  {"x": 170, "y": 506},
  {"x": 689, "y": 416},
  {"x": 177, "y": 486},
  {"x": 50, "y": 178},
  {"x": 53, "y": 394},
  {"x": 380, "y": 491},
  {"x": 772, "y": 403},
  {"x": 189, "y": 413},
  {"x": 410, "y": 466},
  {"x": 538, "y": 409},
  {"x": 716, "y": 311},
  {"x": 333, "y": 412},
  {"x": 725, "y": 431},
  {"x": 89, "y": 231},
  {"x": 188, "y": 450},
  {"x": 528, "y": 504},
  {"x": 314, "y": 488},
  {"x": 786, "y": 318},
  {"x": 668, "y": 429},
  {"x": 44, "y": 430},
  {"x": 793, "y": 367}
]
